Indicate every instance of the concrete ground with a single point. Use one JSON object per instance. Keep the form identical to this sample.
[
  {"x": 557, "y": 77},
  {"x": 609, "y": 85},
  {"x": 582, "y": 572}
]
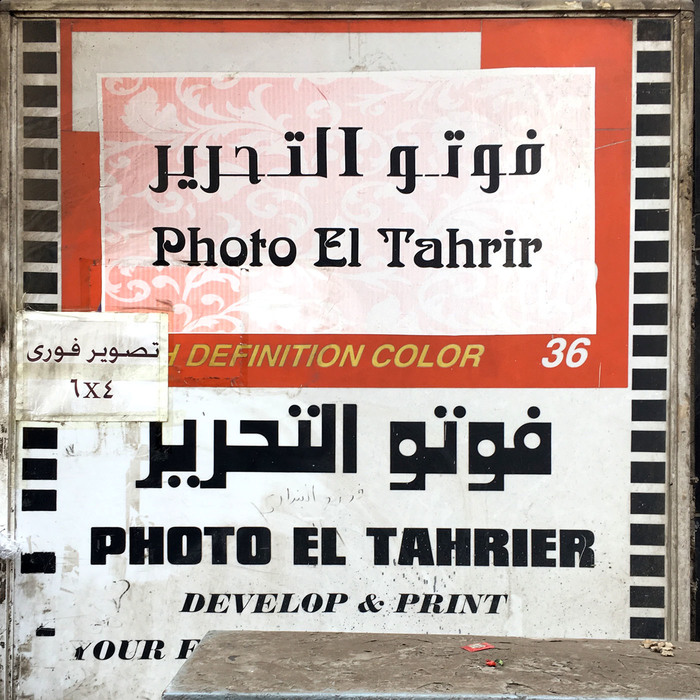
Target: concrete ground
[{"x": 320, "y": 666}]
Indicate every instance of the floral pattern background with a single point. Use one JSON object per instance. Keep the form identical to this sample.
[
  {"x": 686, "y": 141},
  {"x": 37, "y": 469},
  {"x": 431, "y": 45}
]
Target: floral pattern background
[{"x": 556, "y": 205}]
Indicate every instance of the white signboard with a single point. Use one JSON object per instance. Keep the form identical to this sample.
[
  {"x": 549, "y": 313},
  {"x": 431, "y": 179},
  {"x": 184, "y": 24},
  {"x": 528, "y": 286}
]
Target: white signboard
[
  {"x": 417, "y": 336},
  {"x": 78, "y": 366},
  {"x": 263, "y": 511}
]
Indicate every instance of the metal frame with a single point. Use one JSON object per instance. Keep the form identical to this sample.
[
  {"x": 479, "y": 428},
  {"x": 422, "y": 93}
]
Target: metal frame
[
  {"x": 353, "y": 8},
  {"x": 680, "y": 419},
  {"x": 8, "y": 285},
  {"x": 680, "y": 540}
]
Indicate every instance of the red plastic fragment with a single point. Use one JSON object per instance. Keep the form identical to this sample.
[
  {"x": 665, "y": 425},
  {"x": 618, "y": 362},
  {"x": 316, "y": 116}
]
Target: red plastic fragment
[{"x": 478, "y": 646}]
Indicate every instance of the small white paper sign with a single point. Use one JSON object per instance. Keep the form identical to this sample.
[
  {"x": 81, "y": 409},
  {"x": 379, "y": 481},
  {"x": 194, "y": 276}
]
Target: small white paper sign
[{"x": 92, "y": 366}]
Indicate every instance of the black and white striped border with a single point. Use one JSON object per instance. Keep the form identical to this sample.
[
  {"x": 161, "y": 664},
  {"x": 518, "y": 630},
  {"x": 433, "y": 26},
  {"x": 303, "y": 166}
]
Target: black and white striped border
[
  {"x": 40, "y": 253},
  {"x": 651, "y": 188},
  {"x": 39, "y": 72},
  {"x": 39, "y": 464}
]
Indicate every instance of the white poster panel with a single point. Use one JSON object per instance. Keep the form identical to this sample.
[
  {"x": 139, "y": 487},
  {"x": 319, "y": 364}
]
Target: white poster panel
[
  {"x": 352, "y": 203},
  {"x": 78, "y": 366},
  {"x": 252, "y": 509}
]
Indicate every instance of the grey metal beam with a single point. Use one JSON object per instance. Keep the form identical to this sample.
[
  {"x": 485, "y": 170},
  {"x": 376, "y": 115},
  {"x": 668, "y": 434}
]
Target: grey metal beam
[{"x": 343, "y": 8}]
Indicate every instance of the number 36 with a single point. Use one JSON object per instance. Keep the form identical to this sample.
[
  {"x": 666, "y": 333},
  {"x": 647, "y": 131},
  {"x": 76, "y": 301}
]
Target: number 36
[{"x": 575, "y": 356}]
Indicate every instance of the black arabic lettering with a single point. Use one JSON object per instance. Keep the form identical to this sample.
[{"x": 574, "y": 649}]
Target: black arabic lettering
[
  {"x": 403, "y": 161},
  {"x": 170, "y": 458},
  {"x": 531, "y": 452},
  {"x": 273, "y": 457},
  {"x": 409, "y": 453},
  {"x": 38, "y": 354},
  {"x": 304, "y": 457}
]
